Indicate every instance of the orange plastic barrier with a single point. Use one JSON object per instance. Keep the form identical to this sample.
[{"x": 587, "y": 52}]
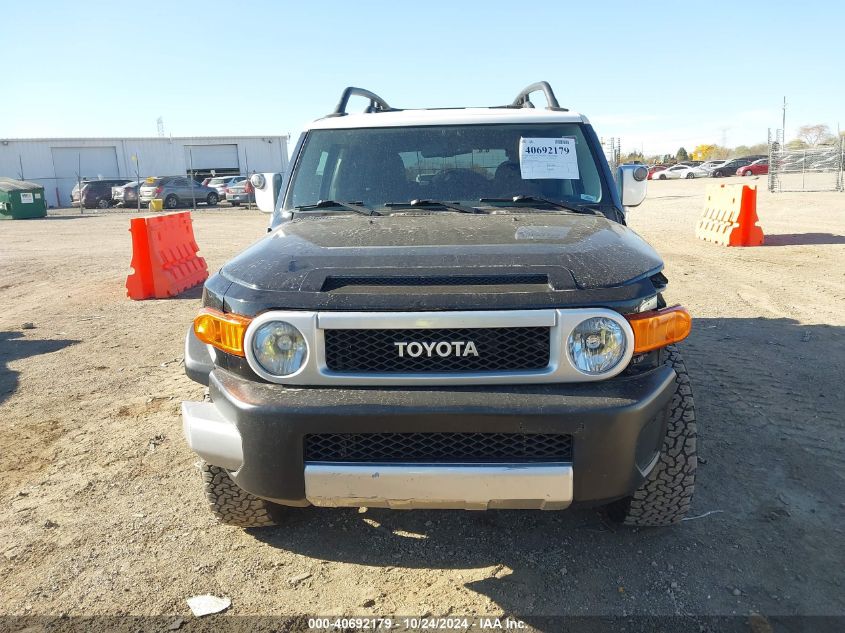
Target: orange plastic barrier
[
  {"x": 730, "y": 216},
  {"x": 164, "y": 257}
]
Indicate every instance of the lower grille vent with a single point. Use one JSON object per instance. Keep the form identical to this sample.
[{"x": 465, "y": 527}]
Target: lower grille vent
[{"x": 438, "y": 448}]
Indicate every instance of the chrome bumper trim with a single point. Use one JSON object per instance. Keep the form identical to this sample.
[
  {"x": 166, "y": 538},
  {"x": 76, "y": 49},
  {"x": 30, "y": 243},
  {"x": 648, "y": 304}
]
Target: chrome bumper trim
[
  {"x": 458, "y": 486},
  {"x": 211, "y": 436}
]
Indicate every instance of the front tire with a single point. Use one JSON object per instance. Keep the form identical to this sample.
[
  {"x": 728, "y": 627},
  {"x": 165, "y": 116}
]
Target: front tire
[
  {"x": 171, "y": 202},
  {"x": 690, "y": 175},
  {"x": 102, "y": 203},
  {"x": 664, "y": 497},
  {"x": 211, "y": 200},
  {"x": 748, "y": 172},
  {"x": 234, "y": 506},
  {"x": 662, "y": 177}
]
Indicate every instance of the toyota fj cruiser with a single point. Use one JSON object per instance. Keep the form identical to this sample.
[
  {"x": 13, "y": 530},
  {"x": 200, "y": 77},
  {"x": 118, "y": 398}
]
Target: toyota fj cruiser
[{"x": 449, "y": 311}]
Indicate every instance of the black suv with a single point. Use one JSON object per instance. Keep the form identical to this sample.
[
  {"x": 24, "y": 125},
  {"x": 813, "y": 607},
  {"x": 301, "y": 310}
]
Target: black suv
[
  {"x": 729, "y": 168},
  {"x": 449, "y": 311},
  {"x": 95, "y": 193}
]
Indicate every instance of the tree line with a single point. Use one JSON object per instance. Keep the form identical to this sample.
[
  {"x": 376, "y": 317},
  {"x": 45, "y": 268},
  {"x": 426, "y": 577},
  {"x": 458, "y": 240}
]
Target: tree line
[{"x": 808, "y": 136}]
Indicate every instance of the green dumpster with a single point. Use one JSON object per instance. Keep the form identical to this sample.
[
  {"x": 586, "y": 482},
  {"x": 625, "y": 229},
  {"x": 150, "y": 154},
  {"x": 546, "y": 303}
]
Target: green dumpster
[{"x": 20, "y": 199}]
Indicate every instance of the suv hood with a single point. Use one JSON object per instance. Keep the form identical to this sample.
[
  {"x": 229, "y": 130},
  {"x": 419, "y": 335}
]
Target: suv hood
[{"x": 347, "y": 261}]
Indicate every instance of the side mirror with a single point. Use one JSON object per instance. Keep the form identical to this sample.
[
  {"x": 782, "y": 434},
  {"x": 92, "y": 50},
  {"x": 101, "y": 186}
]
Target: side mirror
[
  {"x": 267, "y": 188},
  {"x": 632, "y": 181}
]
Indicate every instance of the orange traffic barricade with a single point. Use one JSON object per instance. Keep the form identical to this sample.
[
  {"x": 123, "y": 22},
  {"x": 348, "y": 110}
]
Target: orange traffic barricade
[
  {"x": 164, "y": 257},
  {"x": 730, "y": 216}
]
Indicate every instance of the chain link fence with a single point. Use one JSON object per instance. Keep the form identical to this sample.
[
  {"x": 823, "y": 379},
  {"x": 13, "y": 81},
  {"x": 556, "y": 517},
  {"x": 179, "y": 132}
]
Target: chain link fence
[{"x": 808, "y": 169}]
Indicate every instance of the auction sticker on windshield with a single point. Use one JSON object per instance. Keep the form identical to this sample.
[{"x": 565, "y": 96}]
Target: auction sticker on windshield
[{"x": 548, "y": 158}]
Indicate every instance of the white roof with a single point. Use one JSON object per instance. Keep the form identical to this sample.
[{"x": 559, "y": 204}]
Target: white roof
[{"x": 451, "y": 116}]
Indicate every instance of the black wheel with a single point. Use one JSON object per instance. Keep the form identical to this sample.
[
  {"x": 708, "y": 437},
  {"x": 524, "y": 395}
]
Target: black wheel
[
  {"x": 102, "y": 203},
  {"x": 690, "y": 175},
  {"x": 236, "y": 203},
  {"x": 211, "y": 199},
  {"x": 662, "y": 177},
  {"x": 234, "y": 506},
  {"x": 664, "y": 498},
  {"x": 171, "y": 202}
]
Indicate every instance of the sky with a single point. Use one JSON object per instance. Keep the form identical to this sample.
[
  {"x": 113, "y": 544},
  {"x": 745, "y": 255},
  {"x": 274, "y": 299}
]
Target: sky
[{"x": 658, "y": 75}]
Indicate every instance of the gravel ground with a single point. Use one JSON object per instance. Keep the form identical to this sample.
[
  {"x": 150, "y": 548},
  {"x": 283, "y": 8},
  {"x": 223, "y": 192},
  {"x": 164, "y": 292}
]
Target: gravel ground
[{"x": 103, "y": 513}]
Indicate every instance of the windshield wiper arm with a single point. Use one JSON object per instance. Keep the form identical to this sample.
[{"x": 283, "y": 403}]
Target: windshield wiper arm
[
  {"x": 536, "y": 199},
  {"x": 452, "y": 206},
  {"x": 357, "y": 207}
]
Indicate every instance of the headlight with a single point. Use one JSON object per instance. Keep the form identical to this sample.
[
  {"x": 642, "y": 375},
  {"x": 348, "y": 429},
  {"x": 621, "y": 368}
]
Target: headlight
[
  {"x": 257, "y": 181},
  {"x": 596, "y": 345},
  {"x": 279, "y": 348}
]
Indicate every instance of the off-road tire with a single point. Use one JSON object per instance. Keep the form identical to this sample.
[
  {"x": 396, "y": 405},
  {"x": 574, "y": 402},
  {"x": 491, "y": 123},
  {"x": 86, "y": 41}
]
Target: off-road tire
[
  {"x": 664, "y": 498},
  {"x": 234, "y": 506}
]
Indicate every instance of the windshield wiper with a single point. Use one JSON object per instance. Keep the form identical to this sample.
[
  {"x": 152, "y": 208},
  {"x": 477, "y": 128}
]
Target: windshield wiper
[
  {"x": 538, "y": 200},
  {"x": 357, "y": 207},
  {"x": 452, "y": 206}
]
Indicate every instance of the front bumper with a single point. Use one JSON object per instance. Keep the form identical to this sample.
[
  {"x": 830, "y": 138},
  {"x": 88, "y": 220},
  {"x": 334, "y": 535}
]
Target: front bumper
[{"x": 256, "y": 431}]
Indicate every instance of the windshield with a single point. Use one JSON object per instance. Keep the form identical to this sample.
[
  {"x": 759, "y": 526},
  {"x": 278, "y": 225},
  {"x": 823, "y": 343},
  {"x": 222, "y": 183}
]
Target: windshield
[{"x": 458, "y": 163}]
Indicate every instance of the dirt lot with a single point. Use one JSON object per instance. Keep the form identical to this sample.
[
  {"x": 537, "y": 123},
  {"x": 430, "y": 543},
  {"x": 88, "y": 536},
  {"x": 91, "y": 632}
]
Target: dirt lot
[{"x": 102, "y": 511}]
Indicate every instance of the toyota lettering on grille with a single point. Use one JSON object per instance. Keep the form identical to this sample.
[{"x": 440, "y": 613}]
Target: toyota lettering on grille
[{"x": 443, "y": 349}]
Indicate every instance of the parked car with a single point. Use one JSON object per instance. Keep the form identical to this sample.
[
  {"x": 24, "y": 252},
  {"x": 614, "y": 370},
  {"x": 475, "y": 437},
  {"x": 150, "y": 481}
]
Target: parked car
[
  {"x": 95, "y": 193},
  {"x": 241, "y": 191},
  {"x": 221, "y": 182},
  {"x": 680, "y": 171},
  {"x": 125, "y": 195},
  {"x": 757, "y": 168},
  {"x": 730, "y": 167},
  {"x": 710, "y": 165},
  {"x": 653, "y": 169},
  {"x": 177, "y": 191}
]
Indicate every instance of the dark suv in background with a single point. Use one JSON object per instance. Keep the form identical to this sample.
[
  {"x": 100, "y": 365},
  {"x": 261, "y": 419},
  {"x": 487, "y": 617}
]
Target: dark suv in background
[
  {"x": 729, "y": 168},
  {"x": 95, "y": 193}
]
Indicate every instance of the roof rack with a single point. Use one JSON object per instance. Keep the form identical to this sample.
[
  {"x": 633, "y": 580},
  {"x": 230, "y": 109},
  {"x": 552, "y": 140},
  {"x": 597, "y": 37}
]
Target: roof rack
[
  {"x": 523, "y": 99},
  {"x": 377, "y": 104}
]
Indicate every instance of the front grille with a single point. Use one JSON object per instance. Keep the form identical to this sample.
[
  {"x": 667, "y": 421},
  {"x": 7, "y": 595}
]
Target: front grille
[
  {"x": 335, "y": 283},
  {"x": 499, "y": 349},
  {"x": 438, "y": 448}
]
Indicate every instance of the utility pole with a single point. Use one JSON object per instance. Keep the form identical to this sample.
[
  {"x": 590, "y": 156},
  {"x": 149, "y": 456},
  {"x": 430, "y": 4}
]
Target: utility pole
[
  {"x": 137, "y": 162},
  {"x": 248, "y": 182},
  {"x": 79, "y": 182},
  {"x": 193, "y": 196},
  {"x": 783, "y": 124}
]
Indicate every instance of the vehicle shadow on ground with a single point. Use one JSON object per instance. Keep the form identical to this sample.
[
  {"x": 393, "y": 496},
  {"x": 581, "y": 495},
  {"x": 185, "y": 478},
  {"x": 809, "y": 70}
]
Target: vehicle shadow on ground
[
  {"x": 766, "y": 508},
  {"x": 797, "y": 239},
  {"x": 191, "y": 294},
  {"x": 14, "y": 347}
]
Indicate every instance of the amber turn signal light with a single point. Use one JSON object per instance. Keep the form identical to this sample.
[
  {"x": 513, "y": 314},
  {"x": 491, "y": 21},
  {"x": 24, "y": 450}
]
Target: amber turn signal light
[
  {"x": 658, "y": 328},
  {"x": 223, "y": 331}
]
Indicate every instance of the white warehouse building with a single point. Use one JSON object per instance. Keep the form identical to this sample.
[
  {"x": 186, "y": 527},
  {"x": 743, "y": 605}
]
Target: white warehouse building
[{"x": 57, "y": 163}]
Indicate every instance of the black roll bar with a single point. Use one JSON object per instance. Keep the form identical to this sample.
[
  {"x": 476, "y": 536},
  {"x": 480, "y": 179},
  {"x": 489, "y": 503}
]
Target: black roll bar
[
  {"x": 377, "y": 104},
  {"x": 523, "y": 98}
]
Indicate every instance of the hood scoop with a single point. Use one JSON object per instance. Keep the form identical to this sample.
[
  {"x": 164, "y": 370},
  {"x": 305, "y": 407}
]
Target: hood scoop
[{"x": 444, "y": 283}]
